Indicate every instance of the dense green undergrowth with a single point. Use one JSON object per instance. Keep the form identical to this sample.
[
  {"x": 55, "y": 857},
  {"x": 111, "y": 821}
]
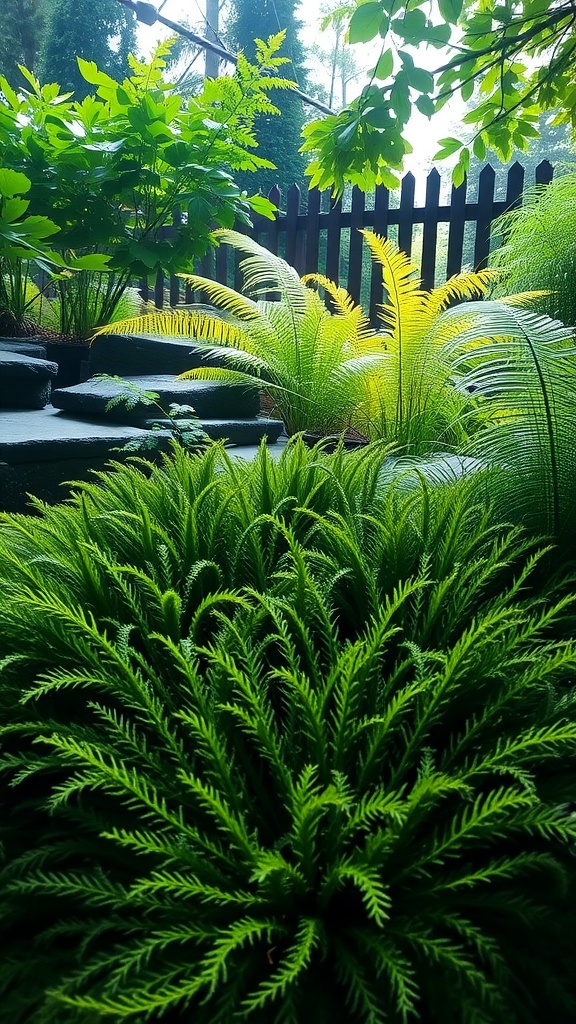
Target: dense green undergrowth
[{"x": 284, "y": 743}]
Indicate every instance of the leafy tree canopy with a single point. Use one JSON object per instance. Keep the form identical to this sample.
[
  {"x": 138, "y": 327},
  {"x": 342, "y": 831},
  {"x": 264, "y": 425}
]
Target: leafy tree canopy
[
  {"x": 102, "y": 32},
  {"x": 515, "y": 58}
]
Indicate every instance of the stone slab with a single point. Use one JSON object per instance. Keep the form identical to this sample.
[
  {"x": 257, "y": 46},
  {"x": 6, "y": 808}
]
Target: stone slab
[
  {"x": 244, "y": 432},
  {"x": 25, "y": 382},
  {"x": 18, "y": 366},
  {"x": 26, "y": 348},
  {"x": 208, "y": 398},
  {"x": 47, "y": 435},
  {"x": 129, "y": 355}
]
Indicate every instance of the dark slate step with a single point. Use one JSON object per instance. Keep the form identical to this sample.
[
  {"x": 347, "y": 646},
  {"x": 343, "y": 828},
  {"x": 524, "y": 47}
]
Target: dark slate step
[
  {"x": 25, "y": 382},
  {"x": 35, "y": 347},
  {"x": 209, "y": 399},
  {"x": 244, "y": 431},
  {"x": 47, "y": 435},
  {"x": 129, "y": 355}
]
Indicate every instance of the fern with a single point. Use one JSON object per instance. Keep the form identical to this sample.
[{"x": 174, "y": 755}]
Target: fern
[
  {"x": 283, "y": 742},
  {"x": 313, "y": 363}
]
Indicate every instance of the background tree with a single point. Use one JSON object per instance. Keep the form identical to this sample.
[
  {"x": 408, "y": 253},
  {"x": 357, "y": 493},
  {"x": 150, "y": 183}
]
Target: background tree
[
  {"x": 103, "y": 32},
  {"x": 336, "y": 59},
  {"x": 22, "y": 23},
  {"x": 513, "y": 58},
  {"x": 279, "y": 138}
]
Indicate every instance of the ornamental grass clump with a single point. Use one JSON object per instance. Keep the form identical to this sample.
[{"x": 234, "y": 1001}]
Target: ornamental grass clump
[{"x": 285, "y": 745}]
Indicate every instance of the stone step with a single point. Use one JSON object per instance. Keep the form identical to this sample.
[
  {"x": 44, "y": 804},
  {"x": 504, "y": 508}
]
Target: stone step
[
  {"x": 35, "y": 347},
  {"x": 42, "y": 449},
  {"x": 209, "y": 399},
  {"x": 130, "y": 355},
  {"x": 44, "y": 435},
  {"x": 242, "y": 431},
  {"x": 25, "y": 382}
]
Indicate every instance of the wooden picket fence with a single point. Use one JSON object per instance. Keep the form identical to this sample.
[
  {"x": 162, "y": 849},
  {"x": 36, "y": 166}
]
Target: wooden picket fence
[{"x": 440, "y": 236}]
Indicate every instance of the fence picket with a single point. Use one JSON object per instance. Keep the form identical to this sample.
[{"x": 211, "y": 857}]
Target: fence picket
[
  {"x": 486, "y": 181},
  {"x": 334, "y": 228},
  {"x": 356, "y": 243},
  {"x": 457, "y": 224},
  {"x": 406, "y": 213},
  {"x": 430, "y": 230},
  {"x": 380, "y": 227}
]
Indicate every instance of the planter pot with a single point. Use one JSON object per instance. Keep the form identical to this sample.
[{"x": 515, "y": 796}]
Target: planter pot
[{"x": 72, "y": 360}]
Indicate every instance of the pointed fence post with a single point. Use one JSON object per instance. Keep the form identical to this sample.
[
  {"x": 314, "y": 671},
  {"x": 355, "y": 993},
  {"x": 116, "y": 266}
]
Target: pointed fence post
[
  {"x": 275, "y": 196},
  {"x": 312, "y": 243},
  {"x": 406, "y": 213},
  {"x": 381, "y": 208},
  {"x": 544, "y": 173},
  {"x": 514, "y": 186},
  {"x": 485, "y": 216},
  {"x": 292, "y": 212},
  {"x": 456, "y": 229},
  {"x": 430, "y": 230},
  {"x": 334, "y": 226},
  {"x": 356, "y": 243}
]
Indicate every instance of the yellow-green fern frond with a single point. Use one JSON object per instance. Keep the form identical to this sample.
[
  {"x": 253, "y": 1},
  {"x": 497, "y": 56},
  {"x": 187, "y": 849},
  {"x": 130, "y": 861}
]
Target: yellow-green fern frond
[
  {"x": 467, "y": 285},
  {"x": 344, "y": 306},
  {"x": 343, "y": 302},
  {"x": 263, "y": 271},
  {"x": 225, "y": 298},
  {"x": 175, "y": 325},
  {"x": 402, "y": 312},
  {"x": 524, "y": 298},
  {"x": 225, "y": 376}
]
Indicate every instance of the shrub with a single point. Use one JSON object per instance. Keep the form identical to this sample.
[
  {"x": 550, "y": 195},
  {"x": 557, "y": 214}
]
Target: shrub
[
  {"x": 115, "y": 170},
  {"x": 539, "y": 249},
  {"x": 283, "y": 745}
]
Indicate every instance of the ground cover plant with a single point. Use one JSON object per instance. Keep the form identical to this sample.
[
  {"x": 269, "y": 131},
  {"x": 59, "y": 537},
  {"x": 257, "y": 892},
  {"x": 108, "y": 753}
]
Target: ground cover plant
[{"x": 285, "y": 744}]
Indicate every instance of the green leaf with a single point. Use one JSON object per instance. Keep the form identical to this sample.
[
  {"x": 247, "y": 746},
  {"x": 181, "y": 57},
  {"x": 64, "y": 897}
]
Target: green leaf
[
  {"x": 467, "y": 90},
  {"x": 450, "y": 10},
  {"x": 90, "y": 72},
  {"x": 421, "y": 79},
  {"x": 439, "y": 35},
  {"x": 411, "y": 26},
  {"x": 400, "y": 97},
  {"x": 377, "y": 117},
  {"x": 385, "y": 65},
  {"x": 92, "y": 261},
  {"x": 462, "y": 167},
  {"x": 148, "y": 255},
  {"x": 365, "y": 23},
  {"x": 13, "y": 183},
  {"x": 449, "y": 147},
  {"x": 479, "y": 148},
  {"x": 425, "y": 105},
  {"x": 263, "y": 206}
]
